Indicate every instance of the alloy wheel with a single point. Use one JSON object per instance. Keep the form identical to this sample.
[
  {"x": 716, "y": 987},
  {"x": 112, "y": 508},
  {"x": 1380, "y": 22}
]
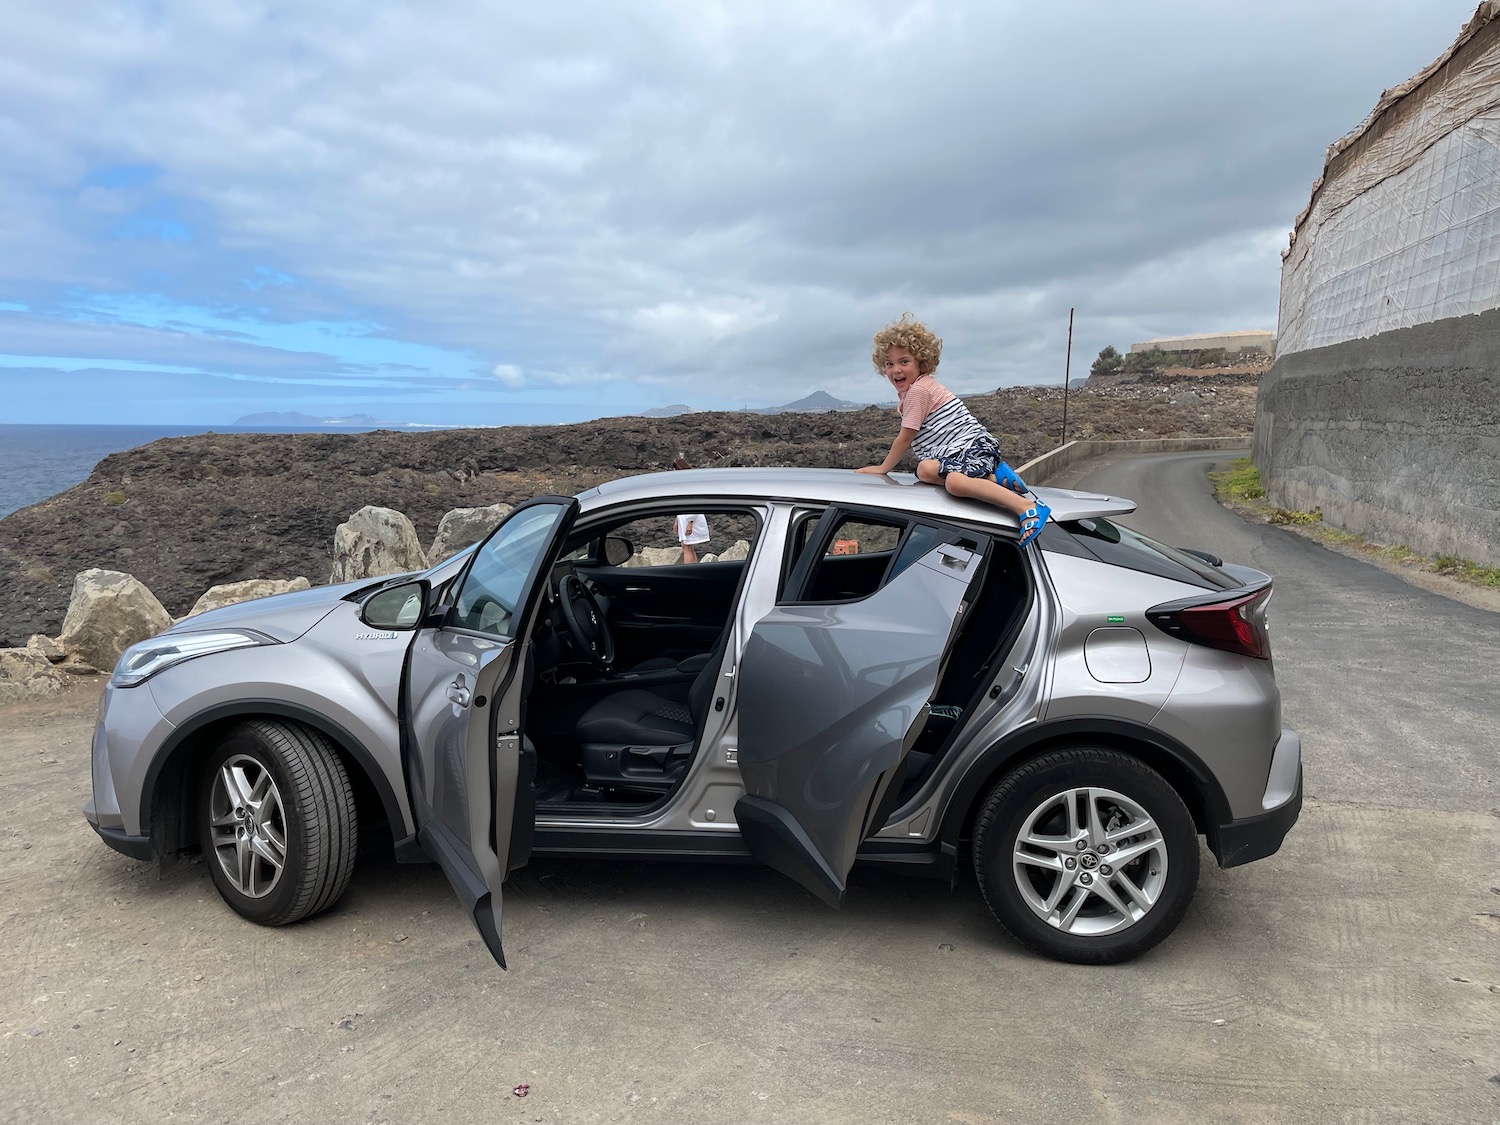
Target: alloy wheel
[
  {"x": 248, "y": 825},
  {"x": 1090, "y": 861}
]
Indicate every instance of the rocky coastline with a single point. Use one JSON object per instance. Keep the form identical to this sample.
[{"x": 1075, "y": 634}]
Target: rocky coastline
[{"x": 185, "y": 514}]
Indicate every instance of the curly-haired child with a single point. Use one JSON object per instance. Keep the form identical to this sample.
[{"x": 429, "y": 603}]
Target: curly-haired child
[{"x": 952, "y": 447}]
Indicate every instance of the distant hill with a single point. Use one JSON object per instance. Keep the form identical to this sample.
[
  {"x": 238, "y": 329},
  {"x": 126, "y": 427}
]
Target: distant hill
[
  {"x": 293, "y": 418},
  {"x": 818, "y": 400},
  {"x": 813, "y": 403}
]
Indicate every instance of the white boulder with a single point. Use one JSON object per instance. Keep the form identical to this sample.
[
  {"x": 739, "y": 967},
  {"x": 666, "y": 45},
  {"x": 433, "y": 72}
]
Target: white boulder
[
  {"x": 375, "y": 541},
  {"x": 232, "y": 593},
  {"x": 739, "y": 549},
  {"x": 26, "y": 674},
  {"x": 109, "y": 611},
  {"x": 463, "y": 526}
]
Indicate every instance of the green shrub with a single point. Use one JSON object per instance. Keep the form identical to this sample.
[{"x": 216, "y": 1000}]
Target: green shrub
[
  {"x": 1139, "y": 363},
  {"x": 1109, "y": 362},
  {"x": 114, "y": 498}
]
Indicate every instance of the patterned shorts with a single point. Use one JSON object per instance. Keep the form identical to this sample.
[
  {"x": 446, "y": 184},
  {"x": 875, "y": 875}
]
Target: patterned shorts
[{"x": 977, "y": 459}]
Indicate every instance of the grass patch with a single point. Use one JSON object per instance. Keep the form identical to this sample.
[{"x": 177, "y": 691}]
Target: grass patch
[
  {"x": 1292, "y": 515},
  {"x": 113, "y": 499},
  {"x": 1338, "y": 537},
  {"x": 1466, "y": 571},
  {"x": 1240, "y": 482}
]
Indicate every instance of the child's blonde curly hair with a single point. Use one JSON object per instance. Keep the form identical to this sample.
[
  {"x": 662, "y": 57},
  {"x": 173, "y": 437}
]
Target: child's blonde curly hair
[{"x": 911, "y": 334}]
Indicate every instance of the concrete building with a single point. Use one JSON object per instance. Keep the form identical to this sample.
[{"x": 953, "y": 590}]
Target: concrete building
[
  {"x": 1230, "y": 342},
  {"x": 1383, "y": 406}
]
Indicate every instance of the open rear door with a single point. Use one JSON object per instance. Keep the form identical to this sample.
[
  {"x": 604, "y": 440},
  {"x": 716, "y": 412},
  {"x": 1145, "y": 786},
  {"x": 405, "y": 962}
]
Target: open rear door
[
  {"x": 469, "y": 770},
  {"x": 831, "y": 698}
]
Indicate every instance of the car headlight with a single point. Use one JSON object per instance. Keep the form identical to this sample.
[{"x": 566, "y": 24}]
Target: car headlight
[{"x": 140, "y": 662}]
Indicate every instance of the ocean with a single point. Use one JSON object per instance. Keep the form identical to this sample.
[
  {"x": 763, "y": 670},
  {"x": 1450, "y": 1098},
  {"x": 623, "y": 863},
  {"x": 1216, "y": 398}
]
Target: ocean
[{"x": 40, "y": 461}]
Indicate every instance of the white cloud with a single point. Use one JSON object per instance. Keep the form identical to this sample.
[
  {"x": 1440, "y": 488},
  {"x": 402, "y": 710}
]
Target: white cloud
[
  {"x": 509, "y": 375},
  {"x": 722, "y": 196},
  {"x": 691, "y": 325}
]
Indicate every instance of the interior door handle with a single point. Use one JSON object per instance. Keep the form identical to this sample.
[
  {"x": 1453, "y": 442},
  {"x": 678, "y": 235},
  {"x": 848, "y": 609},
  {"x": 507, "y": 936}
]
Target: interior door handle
[{"x": 458, "y": 693}]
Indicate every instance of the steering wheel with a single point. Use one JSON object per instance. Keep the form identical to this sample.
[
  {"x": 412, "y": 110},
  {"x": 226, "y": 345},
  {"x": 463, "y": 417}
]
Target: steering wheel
[{"x": 585, "y": 621}]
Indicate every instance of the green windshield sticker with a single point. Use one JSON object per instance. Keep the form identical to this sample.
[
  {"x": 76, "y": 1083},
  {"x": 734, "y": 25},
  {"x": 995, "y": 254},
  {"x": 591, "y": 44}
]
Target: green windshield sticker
[{"x": 1116, "y": 619}]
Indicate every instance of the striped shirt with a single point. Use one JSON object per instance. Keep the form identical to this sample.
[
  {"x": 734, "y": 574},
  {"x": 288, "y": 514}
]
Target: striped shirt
[{"x": 943, "y": 423}]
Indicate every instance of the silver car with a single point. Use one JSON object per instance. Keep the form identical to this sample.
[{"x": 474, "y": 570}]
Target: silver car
[{"x": 859, "y": 668}]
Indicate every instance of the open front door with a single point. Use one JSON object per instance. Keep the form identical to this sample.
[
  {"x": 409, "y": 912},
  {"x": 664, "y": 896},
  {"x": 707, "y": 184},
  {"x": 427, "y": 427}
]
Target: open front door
[
  {"x": 469, "y": 770},
  {"x": 832, "y": 697}
]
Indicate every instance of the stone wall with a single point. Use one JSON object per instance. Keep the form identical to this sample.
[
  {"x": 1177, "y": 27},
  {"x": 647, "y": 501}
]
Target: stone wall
[{"x": 1396, "y": 436}]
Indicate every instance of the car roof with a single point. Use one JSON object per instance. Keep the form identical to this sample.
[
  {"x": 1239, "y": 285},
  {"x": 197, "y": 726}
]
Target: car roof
[{"x": 900, "y": 491}]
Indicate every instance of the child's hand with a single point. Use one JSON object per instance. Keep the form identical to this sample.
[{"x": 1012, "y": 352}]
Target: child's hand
[{"x": 874, "y": 470}]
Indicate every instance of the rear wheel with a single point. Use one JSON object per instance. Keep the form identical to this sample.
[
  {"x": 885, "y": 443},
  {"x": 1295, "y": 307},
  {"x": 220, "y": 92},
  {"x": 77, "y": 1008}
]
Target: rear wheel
[
  {"x": 1086, "y": 855},
  {"x": 277, "y": 820}
]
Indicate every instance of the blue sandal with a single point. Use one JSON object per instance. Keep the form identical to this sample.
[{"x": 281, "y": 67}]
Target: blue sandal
[
  {"x": 1032, "y": 522},
  {"x": 1006, "y": 477}
]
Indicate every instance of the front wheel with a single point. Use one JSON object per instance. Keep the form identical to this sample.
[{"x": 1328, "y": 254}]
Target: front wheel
[
  {"x": 277, "y": 821},
  {"x": 1086, "y": 855}
]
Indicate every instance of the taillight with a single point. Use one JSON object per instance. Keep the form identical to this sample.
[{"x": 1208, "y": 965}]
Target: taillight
[{"x": 1236, "y": 624}]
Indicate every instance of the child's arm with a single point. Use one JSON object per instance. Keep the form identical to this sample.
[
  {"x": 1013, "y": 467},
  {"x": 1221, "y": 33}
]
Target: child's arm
[{"x": 893, "y": 458}]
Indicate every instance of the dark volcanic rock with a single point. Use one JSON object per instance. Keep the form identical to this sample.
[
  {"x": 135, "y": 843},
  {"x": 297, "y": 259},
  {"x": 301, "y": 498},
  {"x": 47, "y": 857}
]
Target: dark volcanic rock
[{"x": 184, "y": 514}]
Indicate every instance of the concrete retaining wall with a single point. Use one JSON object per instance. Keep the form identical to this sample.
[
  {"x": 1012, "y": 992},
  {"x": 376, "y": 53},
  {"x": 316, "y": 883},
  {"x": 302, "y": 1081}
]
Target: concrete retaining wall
[
  {"x": 1041, "y": 469},
  {"x": 1396, "y": 436}
]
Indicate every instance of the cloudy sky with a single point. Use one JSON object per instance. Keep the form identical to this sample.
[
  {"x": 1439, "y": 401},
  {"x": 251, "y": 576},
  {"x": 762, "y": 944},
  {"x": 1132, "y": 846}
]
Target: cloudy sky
[{"x": 498, "y": 212}]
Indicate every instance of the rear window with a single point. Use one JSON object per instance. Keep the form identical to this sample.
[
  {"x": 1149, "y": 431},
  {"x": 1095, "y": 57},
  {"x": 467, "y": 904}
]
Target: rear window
[{"x": 1118, "y": 545}]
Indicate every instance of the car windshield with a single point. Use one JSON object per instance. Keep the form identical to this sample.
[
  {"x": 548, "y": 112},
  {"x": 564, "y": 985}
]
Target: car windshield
[{"x": 494, "y": 585}]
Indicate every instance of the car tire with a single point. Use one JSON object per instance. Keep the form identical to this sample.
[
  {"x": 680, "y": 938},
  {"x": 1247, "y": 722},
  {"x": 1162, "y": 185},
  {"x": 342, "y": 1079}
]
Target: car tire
[
  {"x": 277, "y": 822},
  {"x": 1047, "y": 867}
]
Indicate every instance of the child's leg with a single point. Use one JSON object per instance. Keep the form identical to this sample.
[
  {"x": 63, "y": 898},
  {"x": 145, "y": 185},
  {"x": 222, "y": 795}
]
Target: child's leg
[
  {"x": 928, "y": 471},
  {"x": 984, "y": 488}
]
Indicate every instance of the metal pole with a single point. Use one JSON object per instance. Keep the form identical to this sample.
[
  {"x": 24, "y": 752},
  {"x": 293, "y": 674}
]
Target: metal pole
[{"x": 1067, "y": 371}]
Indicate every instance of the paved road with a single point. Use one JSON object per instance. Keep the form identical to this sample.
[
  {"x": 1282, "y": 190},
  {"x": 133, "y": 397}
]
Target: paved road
[
  {"x": 1397, "y": 690},
  {"x": 1354, "y": 977}
]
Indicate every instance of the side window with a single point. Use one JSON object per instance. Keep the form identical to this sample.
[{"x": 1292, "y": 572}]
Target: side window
[
  {"x": 496, "y": 580},
  {"x": 922, "y": 539},
  {"x": 685, "y": 538},
  {"x": 1118, "y": 545},
  {"x": 855, "y": 556}
]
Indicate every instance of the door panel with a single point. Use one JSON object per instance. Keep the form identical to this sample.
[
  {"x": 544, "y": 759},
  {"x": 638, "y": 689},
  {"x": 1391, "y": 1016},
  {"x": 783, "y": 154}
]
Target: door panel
[
  {"x": 831, "y": 699},
  {"x": 468, "y": 772},
  {"x": 672, "y": 611},
  {"x": 449, "y": 762}
]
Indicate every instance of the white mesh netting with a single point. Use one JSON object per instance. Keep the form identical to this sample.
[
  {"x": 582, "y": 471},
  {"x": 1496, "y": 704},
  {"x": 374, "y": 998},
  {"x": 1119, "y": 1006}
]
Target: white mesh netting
[{"x": 1409, "y": 230}]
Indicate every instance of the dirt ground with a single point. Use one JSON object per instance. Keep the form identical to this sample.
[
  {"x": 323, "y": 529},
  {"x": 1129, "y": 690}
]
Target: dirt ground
[{"x": 1350, "y": 978}]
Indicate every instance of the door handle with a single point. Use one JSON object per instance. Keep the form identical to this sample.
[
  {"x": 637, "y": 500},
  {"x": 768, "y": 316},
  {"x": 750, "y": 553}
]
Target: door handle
[{"x": 458, "y": 693}]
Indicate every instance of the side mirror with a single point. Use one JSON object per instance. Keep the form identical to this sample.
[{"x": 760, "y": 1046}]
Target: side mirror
[
  {"x": 396, "y": 607},
  {"x": 617, "y": 550}
]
